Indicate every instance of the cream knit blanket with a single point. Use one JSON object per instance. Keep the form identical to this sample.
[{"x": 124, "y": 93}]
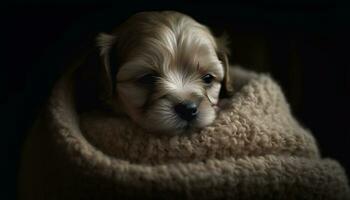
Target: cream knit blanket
[{"x": 255, "y": 149}]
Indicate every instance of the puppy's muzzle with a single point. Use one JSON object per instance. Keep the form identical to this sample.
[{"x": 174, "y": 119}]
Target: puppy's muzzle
[{"x": 186, "y": 110}]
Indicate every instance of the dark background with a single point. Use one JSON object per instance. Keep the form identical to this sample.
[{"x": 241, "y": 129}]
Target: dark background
[{"x": 302, "y": 44}]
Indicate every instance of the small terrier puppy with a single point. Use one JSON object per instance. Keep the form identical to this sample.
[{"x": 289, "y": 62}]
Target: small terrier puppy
[{"x": 165, "y": 71}]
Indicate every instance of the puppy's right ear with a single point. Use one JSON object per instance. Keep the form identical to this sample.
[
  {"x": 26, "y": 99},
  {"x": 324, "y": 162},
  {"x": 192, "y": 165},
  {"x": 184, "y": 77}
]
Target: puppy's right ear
[
  {"x": 106, "y": 43},
  {"x": 223, "y": 52}
]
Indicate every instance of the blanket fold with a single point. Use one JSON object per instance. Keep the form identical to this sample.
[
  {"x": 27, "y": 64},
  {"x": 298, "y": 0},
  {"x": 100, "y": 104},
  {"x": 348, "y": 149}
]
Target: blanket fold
[{"x": 255, "y": 149}]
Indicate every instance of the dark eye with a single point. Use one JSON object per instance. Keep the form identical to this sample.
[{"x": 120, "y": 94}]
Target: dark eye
[
  {"x": 208, "y": 78},
  {"x": 147, "y": 79}
]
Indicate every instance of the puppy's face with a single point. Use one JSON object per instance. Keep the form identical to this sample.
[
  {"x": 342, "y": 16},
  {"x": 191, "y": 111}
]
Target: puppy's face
[{"x": 169, "y": 76}]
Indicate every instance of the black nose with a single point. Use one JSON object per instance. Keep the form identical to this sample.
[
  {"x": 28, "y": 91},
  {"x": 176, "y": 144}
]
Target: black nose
[{"x": 187, "y": 110}]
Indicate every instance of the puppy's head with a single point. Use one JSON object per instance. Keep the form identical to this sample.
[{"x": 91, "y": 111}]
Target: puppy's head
[{"x": 165, "y": 70}]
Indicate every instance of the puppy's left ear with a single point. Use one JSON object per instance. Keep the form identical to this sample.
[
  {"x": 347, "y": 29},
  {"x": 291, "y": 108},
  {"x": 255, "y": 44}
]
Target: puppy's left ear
[
  {"x": 106, "y": 43},
  {"x": 223, "y": 52}
]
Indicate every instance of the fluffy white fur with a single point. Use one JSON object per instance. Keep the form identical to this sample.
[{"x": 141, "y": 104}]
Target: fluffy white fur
[{"x": 180, "y": 51}]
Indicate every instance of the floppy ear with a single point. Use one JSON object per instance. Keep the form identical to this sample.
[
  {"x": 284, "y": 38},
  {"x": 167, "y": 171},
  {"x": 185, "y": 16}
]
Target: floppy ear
[
  {"x": 106, "y": 44},
  {"x": 223, "y": 52}
]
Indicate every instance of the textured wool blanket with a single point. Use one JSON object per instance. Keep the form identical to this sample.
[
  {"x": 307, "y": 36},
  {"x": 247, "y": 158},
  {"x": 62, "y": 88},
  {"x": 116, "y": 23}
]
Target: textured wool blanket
[{"x": 255, "y": 149}]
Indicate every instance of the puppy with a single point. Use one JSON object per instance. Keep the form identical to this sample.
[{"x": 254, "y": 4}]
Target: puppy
[{"x": 165, "y": 71}]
